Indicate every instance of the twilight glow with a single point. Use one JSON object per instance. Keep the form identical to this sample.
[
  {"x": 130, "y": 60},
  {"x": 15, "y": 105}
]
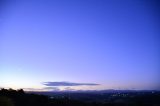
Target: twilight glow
[{"x": 79, "y": 44}]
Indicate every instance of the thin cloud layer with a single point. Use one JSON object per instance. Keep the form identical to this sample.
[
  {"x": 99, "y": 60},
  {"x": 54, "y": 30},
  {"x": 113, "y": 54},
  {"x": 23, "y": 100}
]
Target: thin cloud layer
[
  {"x": 69, "y": 89},
  {"x": 63, "y": 83},
  {"x": 52, "y": 88},
  {"x": 42, "y": 89}
]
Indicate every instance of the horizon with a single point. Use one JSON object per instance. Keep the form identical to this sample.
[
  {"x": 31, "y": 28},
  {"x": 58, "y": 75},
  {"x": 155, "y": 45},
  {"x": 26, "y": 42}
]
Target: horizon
[
  {"x": 79, "y": 45},
  {"x": 83, "y": 91}
]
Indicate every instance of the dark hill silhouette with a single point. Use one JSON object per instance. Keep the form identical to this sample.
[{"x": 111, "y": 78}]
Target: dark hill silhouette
[{"x": 10, "y": 97}]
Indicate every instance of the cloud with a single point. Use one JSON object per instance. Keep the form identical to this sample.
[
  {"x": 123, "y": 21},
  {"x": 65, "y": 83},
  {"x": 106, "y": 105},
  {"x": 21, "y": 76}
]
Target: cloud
[
  {"x": 42, "y": 89},
  {"x": 63, "y": 83},
  {"x": 69, "y": 89},
  {"x": 32, "y": 89},
  {"x": 52, "y": 88}
]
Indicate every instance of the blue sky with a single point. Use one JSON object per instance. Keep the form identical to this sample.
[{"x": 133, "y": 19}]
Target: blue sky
[{"x": 107, "y": 42}]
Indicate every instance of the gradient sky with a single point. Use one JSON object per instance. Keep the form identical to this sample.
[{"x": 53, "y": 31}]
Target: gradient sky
[{"x": 108, "y": 42}]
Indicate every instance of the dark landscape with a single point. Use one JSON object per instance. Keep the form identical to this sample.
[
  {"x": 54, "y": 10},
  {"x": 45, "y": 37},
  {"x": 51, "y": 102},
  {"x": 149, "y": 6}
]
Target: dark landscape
[{"x": 10, "y": 97}]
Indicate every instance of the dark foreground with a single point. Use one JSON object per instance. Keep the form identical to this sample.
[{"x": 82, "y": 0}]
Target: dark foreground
[{"x": 114, "y": 98}]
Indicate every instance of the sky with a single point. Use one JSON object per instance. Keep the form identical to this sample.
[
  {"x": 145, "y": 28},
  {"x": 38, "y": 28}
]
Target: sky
[{"x": 79, "y": 44}]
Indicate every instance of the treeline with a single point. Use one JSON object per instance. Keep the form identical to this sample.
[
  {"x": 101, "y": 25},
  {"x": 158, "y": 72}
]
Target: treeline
[{"x": 10, "y": 97}]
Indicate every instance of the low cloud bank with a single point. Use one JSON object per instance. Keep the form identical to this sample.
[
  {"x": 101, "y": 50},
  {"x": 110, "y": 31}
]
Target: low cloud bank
[{"x": 63, "y": 83}]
